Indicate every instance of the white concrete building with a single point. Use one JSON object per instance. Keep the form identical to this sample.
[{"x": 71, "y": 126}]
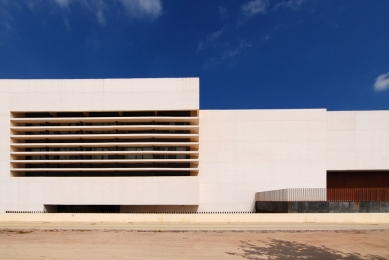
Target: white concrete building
[{"x": 144, "y": 145}]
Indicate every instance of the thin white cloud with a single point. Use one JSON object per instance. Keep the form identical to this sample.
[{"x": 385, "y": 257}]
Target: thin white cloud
[
  {"x": 135, "y": 8},
  {"x": 382, "y": 82},
  {"x": 255, "y": 7},
  {"x": 94, "y": 44},
  {"x": 7, "y": 9},
  {"x": 100, "y": 17},
  {"x": 232, "y": 53},
  {"x": 143, "y": 8},
  {"x": 223, "y": 12},
  {"x": 5, "y": 25},
  {"x": 209, "y": 40},
  {"x": 227, "y": 57},
  {"x": 32, "y": 4},
  {"x": 63, "y": 3},
  {"x": 292, "y": 4},
  {"x": 98, "y": 8},
  {"x": 66, "y": 22}
]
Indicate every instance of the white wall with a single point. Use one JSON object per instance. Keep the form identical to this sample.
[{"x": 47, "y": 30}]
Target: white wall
[
  {"x": 101, "y": 94},
  {"x": 30, "y": 194},
  {"x": 241, "y": 151},
  {"x": 358, "y": 140},
  {"x": 247, "y": 151}
]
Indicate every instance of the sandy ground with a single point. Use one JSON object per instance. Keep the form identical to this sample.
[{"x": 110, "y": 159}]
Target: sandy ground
[{"x": 100, "y": 244}]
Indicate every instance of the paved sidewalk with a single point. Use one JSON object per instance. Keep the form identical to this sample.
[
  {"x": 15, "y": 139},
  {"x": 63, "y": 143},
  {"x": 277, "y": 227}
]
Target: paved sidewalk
[{"x": 191, "y": 226}]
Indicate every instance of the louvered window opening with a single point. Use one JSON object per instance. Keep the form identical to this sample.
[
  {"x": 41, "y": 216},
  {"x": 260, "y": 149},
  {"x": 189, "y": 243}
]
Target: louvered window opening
[{"x": 114, "y": 143}]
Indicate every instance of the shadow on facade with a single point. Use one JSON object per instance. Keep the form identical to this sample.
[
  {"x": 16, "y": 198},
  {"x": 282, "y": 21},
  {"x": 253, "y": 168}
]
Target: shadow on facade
[
  {"x": 121, "y": 208},
  {"x": 280, "y": 249}
]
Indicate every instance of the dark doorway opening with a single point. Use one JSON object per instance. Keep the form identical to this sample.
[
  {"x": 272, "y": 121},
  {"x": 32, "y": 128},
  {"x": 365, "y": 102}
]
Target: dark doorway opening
[{"x": 82, "y": 208}]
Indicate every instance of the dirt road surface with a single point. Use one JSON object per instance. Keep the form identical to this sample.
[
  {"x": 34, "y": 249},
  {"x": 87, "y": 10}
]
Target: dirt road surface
[{"x": 129, "y": 244}]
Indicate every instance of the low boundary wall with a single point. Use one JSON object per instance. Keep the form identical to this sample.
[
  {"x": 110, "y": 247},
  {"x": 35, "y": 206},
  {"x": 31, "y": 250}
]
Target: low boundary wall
[
  {"x": 323, "y": 206},
  {"x": 362, "y": 218}
]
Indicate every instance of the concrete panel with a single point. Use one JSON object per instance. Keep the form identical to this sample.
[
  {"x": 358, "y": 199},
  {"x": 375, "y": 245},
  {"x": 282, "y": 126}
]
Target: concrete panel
[
  {"x": 79, "y": 191},
  {"x": 374, "y": 206},
  {"x": 354, "y": 207},
  {"x": 259, "y": 150},
  {"x": 333, "y": 207},
  {"x": 358, "y": 140},
  {"x": 364, "y": 206},
  {"x": 97, "y": 95},
  {"x": 384, "y": 206},
  {"x": 344, "y": 207}
]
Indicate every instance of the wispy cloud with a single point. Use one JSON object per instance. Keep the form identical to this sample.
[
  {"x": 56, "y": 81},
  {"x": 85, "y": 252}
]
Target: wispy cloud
[
  {"x": 94, "y": 6},
  {"x": 97, "y": 7},
  {"x": 292, "y": 4},
  {"x": 134, "y": 8},
  {"x": 228, "y": 56},
  {"x": 100, "y": 17},
  {"x": 6, "y": 14},
  {"x": 63, "y": 3},
  {"x": 66, "y": 22},
  {"x": 148, "y": 9},
  {"x": 209, "y": 40},
  {"x": 232, "y": 53},
  {"x": 143, "y": 8},
  {"x": 6, "y": 25},
  {"x": 382, "y": 82},
  {"x": 94, "y": 44},
  {"x": 254, "y": 7},
  {"x": 223, "y": 12},
  {"x": 32, "y": 4}
]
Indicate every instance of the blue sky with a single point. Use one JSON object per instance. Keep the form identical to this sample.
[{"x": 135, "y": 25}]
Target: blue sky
[{"x": 248, "y": 54}]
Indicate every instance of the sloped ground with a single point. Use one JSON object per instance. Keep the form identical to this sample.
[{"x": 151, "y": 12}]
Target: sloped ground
[{"x": 100, "y": 244}]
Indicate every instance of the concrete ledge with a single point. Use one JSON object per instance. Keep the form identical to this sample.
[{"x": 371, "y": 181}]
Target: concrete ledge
[{"x": 361, "y": 218}]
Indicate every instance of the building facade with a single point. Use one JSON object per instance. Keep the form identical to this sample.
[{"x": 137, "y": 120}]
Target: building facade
[{"x": 144, "y": 145}]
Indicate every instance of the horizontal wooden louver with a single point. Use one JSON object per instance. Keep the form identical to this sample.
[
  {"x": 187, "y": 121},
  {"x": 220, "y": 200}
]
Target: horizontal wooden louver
[{"x": 114, "y": 143}]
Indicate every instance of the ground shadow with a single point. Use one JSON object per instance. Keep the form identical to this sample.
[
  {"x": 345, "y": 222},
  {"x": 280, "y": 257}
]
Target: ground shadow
[{"x": 280, "y": 249}]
